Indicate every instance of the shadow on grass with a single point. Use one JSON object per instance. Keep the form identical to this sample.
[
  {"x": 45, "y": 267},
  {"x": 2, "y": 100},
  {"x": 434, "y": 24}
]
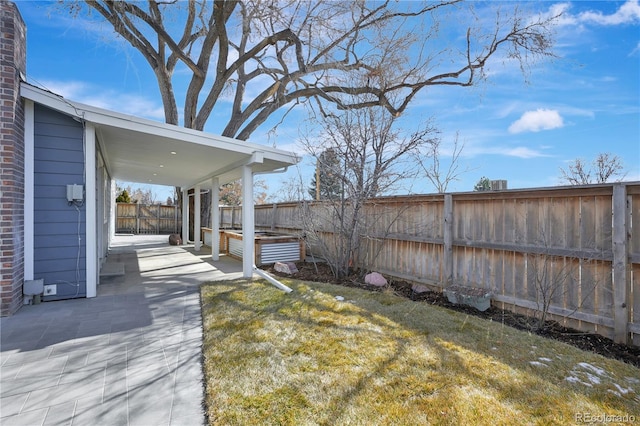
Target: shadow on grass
[{"x": 468, "y": 364}]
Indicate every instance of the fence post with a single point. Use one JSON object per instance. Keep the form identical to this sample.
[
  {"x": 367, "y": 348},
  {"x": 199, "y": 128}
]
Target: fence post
[
  {"x": 621, "y": 278},
  {"x": 448, "y": 239},
  {"x": 137, "y": 219},
  {"x": 274, "y": 213}
]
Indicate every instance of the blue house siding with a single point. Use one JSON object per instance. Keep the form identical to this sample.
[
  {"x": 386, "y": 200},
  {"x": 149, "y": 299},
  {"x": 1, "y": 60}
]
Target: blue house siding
[{"x": 59, "y": 228}]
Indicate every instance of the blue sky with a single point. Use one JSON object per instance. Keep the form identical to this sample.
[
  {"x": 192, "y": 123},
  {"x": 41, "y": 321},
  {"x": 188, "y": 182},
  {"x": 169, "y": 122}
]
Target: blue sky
[{"x": 585, "y": 102}]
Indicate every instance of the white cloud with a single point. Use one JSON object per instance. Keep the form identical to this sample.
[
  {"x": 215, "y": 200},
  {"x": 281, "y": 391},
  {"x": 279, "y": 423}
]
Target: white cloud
[
  {"x": 582, "y": 112},
  {"x": 534, "y": 121},
  {"x": 561, "y": 10},
  {"x": 484, "y": 146},
  {"x": 628, "y": 13},
  {"x": 90, "y": 94},
  {"x": 523, "y": 152},
  {"x": 67, "y": 89}
]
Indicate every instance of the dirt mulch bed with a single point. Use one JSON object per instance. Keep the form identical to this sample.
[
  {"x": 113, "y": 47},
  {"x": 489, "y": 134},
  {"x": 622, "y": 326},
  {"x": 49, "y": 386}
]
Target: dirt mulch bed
[{"x": 552, "y": 330}]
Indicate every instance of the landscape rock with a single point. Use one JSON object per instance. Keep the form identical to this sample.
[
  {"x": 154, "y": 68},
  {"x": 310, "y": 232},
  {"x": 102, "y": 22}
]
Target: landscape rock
[
  {"x": 175, "y": 240},
  {"x": 286, "y": 267},
  {"x": 419, "y": 288},
  {"x": 478, "y": 298},
  {"x": 375, "y": 279}
]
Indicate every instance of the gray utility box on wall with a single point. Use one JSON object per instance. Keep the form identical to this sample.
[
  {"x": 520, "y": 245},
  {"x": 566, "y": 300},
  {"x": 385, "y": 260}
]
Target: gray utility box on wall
[{"x": 32, "y": 290}]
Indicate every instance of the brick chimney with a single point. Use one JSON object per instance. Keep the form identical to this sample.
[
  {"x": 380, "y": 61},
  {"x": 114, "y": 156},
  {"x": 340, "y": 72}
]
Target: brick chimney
[{"x": 13, "y": 59}]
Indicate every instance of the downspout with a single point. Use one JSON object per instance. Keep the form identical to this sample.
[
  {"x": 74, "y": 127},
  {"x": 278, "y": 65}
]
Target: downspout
[{"x": 272, "y": 280}]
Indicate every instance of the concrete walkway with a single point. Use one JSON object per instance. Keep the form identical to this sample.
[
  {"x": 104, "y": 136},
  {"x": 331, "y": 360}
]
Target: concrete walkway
[{"x": 130, "y": 356}]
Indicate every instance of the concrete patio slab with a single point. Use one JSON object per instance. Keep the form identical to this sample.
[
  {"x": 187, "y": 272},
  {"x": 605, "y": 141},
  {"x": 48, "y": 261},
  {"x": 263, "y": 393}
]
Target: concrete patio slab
[
  {"x": 112, "y": 269},
  {"x": 130, "y": 356}
]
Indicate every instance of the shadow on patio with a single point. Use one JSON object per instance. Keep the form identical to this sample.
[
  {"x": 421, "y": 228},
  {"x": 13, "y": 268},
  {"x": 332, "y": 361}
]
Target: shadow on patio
[{"x": 129, "y": 355}]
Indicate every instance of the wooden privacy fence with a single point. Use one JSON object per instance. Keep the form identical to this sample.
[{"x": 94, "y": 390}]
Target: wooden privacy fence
[
  {"x": 133, "y": 218},
  {"x": 573, "y": 252}
]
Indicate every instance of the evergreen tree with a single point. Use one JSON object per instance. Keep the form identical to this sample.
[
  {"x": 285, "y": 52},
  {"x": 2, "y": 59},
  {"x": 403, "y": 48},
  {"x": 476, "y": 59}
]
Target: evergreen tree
[
  {"x": 123, "y": 197},
  {"x": 484, "y": 184},
  {"x": 328, "y": 174}
]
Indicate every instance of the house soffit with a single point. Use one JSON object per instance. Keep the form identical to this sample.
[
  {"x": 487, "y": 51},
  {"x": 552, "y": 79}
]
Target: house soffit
[{"x": 144, "y": 151}]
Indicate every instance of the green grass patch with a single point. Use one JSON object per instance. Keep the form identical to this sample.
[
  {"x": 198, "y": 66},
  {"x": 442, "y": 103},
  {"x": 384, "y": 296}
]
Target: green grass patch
[{"x": 305, "y": 358}]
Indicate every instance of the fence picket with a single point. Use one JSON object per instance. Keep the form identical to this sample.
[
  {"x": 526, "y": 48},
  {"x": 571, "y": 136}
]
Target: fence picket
[{"x": 492, "y": 240}]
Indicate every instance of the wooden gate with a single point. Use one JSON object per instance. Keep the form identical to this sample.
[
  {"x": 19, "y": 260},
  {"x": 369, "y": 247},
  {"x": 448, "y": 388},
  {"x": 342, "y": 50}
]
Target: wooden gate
[{"x": 133, "y": 218}]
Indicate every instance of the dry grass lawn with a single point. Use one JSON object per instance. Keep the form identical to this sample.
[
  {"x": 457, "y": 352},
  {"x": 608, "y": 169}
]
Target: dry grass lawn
[{"x": 308, "y": 358}]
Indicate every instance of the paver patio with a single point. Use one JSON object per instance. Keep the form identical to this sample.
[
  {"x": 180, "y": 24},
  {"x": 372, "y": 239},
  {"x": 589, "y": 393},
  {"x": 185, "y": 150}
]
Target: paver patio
[{"x": 130, "y": 356}]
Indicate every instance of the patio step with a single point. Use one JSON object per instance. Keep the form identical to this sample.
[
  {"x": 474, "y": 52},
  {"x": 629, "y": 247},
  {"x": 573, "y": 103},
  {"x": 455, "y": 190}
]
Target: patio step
[{"x": 113, "y": 269}]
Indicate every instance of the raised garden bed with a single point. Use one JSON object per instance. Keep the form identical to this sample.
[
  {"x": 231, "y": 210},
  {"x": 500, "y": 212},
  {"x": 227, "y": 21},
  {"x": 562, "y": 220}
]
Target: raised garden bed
[{"x": 270, "y": 247}]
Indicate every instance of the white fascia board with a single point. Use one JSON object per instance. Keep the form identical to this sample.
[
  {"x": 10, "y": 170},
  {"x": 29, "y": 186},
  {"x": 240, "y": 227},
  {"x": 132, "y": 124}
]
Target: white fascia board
[
  {"x": 257, "y": 158},
  {"x": 217, "y": 173},
  {"x": 111, "y": 118},
  {"x": 185, "y": 135}
]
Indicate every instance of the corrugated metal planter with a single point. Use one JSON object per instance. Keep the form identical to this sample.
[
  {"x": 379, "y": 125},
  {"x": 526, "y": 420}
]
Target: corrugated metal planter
[{"x": 269, "y": 247}]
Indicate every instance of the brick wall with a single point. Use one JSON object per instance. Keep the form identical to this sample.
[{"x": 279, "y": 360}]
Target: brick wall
[{"x": 12, "y": 65}]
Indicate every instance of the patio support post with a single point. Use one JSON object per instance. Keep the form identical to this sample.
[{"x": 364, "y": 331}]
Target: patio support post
[
  {"x": 248, "y": 227},
  {"x": 112, "y": 209},
  {"x": 197, "y": 211},
  {"x": 185, "y": 216},
  {"x": 215, "y": 219}
]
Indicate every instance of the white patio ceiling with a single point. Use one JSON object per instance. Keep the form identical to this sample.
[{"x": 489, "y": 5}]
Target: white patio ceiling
[{"x": 146, "y": 151}]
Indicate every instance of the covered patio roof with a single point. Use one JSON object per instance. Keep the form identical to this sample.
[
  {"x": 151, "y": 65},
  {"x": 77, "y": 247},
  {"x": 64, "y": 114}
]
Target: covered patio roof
[
  {"x": 145, "y": 151},
  {"x": 151, "y": 152}
]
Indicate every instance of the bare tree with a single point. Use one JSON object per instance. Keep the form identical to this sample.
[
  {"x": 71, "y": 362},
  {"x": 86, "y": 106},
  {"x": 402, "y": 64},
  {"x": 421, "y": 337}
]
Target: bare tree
[
  {"x": 139, "y": 195},
  {"x": 603, "y": 168},
  {"x": 231, "y": 193},
  {"x": 290, "y": 190},
  {"x": 430, "y": 162},
  {"x": 248, "y": 60},
  {"x": 549, "y": 276},
  {"x": 374, "y": 159},
  {"x": 251, "y": 58},
  {"x": 552, "y": 277}
]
